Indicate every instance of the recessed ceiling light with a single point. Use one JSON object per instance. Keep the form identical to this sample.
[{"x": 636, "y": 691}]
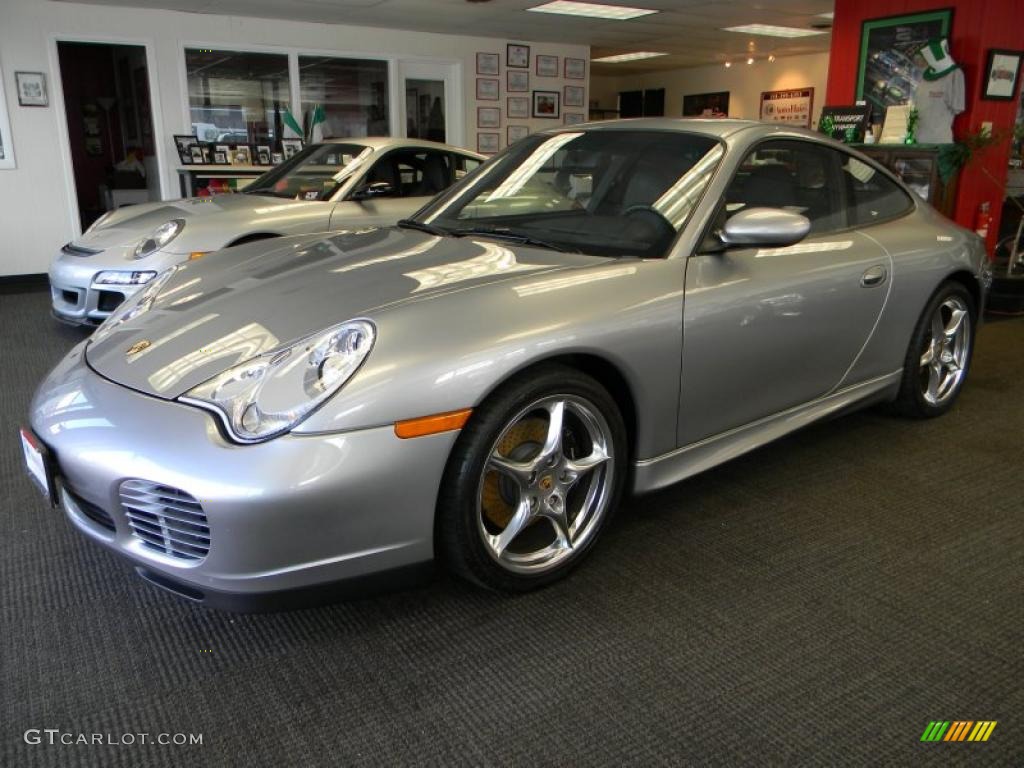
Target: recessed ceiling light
[
  {"x": 771, "y": 58},
  {"x": 628, "y": 57},
  {"x": 592, "y": 10},
  {"x": 773, "y": 31},
  {"x": 750, "y": 60},
  {"x": 728, "y": 64}
]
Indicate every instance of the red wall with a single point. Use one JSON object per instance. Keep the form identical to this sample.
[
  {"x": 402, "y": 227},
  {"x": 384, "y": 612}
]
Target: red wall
[{"x": 978, "y": 25}]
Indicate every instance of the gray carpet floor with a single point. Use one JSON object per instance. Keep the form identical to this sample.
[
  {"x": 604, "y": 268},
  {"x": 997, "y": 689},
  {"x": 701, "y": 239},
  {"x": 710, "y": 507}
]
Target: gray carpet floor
[{"x": 817, "y": 602}]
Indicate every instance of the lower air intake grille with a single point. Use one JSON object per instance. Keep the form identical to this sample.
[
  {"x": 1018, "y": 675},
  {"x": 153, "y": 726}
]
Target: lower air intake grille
[{"x": 166, "y": 519}]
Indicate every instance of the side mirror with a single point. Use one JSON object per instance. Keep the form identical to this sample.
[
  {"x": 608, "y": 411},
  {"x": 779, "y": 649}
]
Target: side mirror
[
  {"x": 376, "y": 189},
  {"x": 765, "y": 226}
]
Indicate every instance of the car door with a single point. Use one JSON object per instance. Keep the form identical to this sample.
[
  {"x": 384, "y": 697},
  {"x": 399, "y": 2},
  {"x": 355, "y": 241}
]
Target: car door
[{"x": 767, "y": 329}]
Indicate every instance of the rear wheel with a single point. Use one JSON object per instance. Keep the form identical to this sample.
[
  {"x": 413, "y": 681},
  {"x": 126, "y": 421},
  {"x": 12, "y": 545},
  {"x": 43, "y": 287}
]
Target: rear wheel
[
  {"x": 532, "y": 480},
  {"x": 940, "y": 353}
]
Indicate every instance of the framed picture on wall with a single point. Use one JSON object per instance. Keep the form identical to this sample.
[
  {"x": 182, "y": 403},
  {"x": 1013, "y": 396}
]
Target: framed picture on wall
[
  {"x": 890, "y": 66},
  {"x": 6, "y": 147},
  {"x": 183, "y": 144},
  {"x": 517, "y": 132},
  {"x": 573, "y": 96},
  {"x": 573, "y": 118},
  {"x": 487, "y": 89},
  {"x": 575, "y": 69},
  {"x": 488, "y": 117},
  {"x": 516, "y": 81},
  {"x": 487, "y": 64},
  {"x": 518, "y": 107},
  {"x": 517, "y": 56},
  {"x": 547, "y": 66},
  {"x": 1002, "y": 75},
  {"x": 488, "y": 143},
  {"x": 31, "y": 89},
  {"x": 793, "y": 107},
  {"x": 547, "y": 104}
]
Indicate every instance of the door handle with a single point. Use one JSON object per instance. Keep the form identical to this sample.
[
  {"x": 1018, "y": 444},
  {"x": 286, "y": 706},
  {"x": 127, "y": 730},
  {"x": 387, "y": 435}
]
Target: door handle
[{"x": 874, "y": 276}]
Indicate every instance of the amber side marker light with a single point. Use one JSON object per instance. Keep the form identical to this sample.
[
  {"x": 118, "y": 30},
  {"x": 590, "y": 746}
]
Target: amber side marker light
[
  {"x": 430, "y": 425},
  {"x": 197, "y": 255}
]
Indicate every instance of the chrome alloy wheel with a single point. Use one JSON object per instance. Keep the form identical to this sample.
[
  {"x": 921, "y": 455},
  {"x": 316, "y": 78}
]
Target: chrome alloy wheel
[
  {"x": 546, "y": 485},
  {"x": 944, "y": 360}
]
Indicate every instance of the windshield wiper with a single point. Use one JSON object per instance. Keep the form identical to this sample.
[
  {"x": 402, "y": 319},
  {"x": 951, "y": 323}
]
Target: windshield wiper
[
  {"x": 430, "y": 229},
  {"x": 507, "y": 234}
]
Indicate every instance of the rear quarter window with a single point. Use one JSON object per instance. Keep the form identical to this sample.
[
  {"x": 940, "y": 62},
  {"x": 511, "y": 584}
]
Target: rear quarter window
[{"x": 872, "y": 196}]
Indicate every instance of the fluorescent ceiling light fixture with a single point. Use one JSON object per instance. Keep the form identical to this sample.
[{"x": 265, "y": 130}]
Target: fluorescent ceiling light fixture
[
  {"x": 629, "y": 57},
  {"x": 773, "y": 31},
  {"x": 592, "y": 10},
  {"x": 830, "y": 15}
]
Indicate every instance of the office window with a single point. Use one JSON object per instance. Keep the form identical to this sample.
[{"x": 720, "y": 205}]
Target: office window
[
  {"x": 237, "y": 97},
  {"x": 353, "y": 92}
]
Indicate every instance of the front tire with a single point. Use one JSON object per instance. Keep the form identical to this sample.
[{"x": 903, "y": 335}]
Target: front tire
[
  {"x": 532, "y": 480},
  {"x": 939, "y": 356}
]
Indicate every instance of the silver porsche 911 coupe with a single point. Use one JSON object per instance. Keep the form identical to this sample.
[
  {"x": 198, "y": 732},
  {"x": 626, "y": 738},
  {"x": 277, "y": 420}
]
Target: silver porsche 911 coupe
[
  {"x": 334, "y": 185},
  {"x": 598, "y": 308}
]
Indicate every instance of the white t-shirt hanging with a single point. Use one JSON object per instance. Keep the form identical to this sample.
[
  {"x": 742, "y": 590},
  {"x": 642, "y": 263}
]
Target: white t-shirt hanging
[{"x": 938, "y": 102}]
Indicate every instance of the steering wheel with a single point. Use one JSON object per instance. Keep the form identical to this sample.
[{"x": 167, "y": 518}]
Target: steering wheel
[{"x": 653, "y": 216}]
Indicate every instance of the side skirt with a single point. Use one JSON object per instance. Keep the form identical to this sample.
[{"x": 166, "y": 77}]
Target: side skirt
[{"x": 669, "y": 468}]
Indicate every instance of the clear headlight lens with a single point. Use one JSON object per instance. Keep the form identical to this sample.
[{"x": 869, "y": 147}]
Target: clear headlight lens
[
  {"x": 124, "y": 278},
  {"x": 159, "y": 238},
  {"x": 270, "y": 394},
  {"x": 134, "y": 306}
]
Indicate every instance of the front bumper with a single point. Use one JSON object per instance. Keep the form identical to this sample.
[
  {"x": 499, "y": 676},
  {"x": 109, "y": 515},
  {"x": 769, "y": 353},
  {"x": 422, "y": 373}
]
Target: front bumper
[{"x": 289, "y": 514}]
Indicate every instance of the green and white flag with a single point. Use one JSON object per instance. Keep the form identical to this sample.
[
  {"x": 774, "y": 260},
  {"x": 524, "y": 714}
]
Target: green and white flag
[
  {"x": 292, "y": 129},
  {"x": 316, "y": 124}
]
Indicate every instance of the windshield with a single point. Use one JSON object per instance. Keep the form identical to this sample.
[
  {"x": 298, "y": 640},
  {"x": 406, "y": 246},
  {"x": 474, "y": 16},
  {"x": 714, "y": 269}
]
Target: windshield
[
  {"x": 315, "y": 173},
  {"x": 600, "y": 192}
]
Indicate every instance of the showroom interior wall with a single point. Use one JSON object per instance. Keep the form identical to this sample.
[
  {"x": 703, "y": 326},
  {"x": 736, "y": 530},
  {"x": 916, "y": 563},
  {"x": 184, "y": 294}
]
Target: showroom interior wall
[
  {"x": 35, "y": 198},
  {"x": 744, "y": 83}
]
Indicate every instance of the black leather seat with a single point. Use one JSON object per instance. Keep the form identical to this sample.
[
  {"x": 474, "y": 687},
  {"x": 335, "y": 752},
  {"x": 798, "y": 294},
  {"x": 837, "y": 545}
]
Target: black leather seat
[{"x": 435, "y": 177}]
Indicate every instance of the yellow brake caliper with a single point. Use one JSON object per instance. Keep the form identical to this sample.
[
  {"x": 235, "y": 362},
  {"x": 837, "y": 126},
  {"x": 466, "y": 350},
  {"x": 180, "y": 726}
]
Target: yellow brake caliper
[{"x": 497, "y": 510}]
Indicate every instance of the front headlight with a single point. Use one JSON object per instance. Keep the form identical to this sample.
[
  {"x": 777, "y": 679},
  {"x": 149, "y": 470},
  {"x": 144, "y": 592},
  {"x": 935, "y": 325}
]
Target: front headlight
[
  {"x": 116, "y": 277},
  {"x": 134, "y": 306},
  {"x": 270, "y": 394},
  {"x": 159, "y": 238}
]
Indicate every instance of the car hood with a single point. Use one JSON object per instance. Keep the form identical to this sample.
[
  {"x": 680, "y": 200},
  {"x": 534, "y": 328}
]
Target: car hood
[
  {"x": 127, "y": 225},
  {"x": 215, "y": 313}
]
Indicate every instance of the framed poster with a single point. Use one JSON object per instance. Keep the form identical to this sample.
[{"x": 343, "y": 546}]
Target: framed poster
[
  {"x": 517, "y": 56},
  {"x": 792, "y": 107},
  {"x": 516, "y": 81},
  {"x": 488, "y": 117},
  {"x": 547, "y": 66},
  {"x": 6, "y": 146},
  {"x": 487, "y": 64},
  {"x": 547, "y": 104},
  {"x": 573, "y": 118},
  {"x": 1002, "y": 75},
  {"x": 487, "y": 89},
  {"x": 517, "y": 132},
  {"x": 488, "y": 143},
  {"x": 31, "y": 89},
  {"x": 184, "y": 144},
  {"x": 706, "y": 104},
  {"x": 575, "y": 69},
  {"x": 518, "y": 107},
  {"x": 573, "y": 96},
  {"x": 891, "y": 66}
]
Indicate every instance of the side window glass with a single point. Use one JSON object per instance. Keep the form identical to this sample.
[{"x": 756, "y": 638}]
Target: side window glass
[
  {"x": 386, "y": 170},
  {"x": 464, "y": 165},
  {"x": 872, "y": 196},
  {"x": 801, "y": 177}
]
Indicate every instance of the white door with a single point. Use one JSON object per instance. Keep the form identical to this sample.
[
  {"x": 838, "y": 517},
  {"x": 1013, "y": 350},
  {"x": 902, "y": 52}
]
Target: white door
[{"x": 430, "y": 102}]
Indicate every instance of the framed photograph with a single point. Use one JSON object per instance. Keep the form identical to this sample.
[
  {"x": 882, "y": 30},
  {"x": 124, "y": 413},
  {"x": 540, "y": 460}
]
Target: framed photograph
[
  {"x": 547, "y": 66},
  {"x": 276, "y": 158},
  {"x": 573, "y": 96},
  {"x": 573, "y": 118},
  {"x": 207, "y": 153},
  {"x": 516, "y": 81},
  {"x": 792, "y": 107},
  {"x": 31, "y": 89},
  {"x": 1002, "y": 75},
  {"x": 517, "y": 132},
  {"x": 488, "y": 143},
  {"x": 487, "y": 89},
  {"x": 197, "y": 154},
  {"x": 263, "y": 155},
  {"x": 547, "y": 104},
  {"x": 290, "y": 147},
  {"x": 6, "y": 147},
  {"x": 241, "y": 155},
  {"x": 518, "y": 107},
  {"x": 220, "y": 157},
  {"x": 706, "y": 104},
  {"x": 575, "y": 69},
  {"x": 488, "y": 117},
  {"x": 891, "y": 66},
  {"x": 487, "y": 64},
  {"x": 517, "y": 56},
  {"x": 184, "y": 145}
]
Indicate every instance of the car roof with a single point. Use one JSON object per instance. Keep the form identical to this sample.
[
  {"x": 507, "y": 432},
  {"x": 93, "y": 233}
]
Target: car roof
[
  {"x": 392, "y": 142},
  {"x": 711, "y": 126}
]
